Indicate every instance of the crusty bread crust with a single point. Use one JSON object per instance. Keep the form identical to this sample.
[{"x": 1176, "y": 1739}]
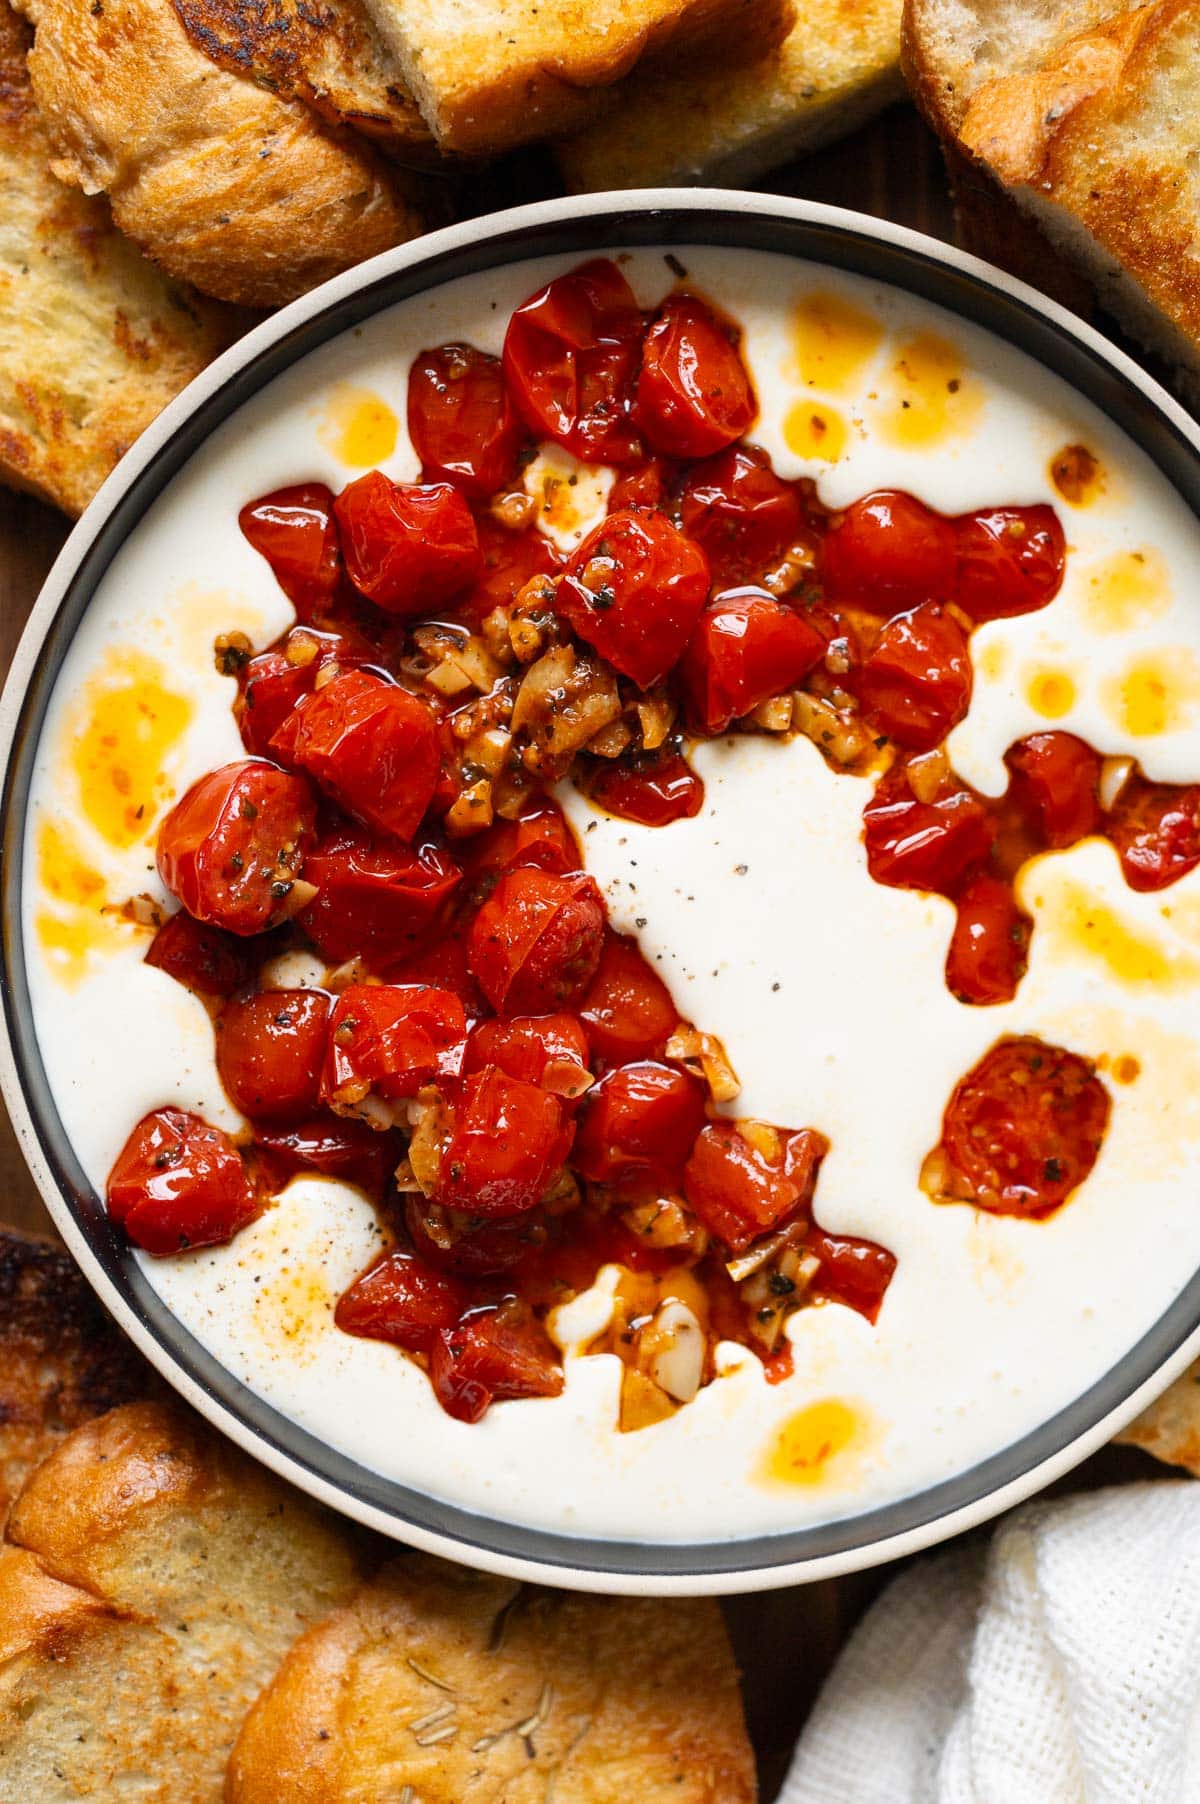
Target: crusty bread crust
[
  {"x": 1170, "y": 1428},
  {"x": 462, "y": 1689},
  {"x": 226, "y": 185}
]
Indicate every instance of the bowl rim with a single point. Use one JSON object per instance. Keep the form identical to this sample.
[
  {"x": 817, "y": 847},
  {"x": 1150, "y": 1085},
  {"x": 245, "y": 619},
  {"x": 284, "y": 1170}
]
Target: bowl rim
[{"x": 578, "y": 225}]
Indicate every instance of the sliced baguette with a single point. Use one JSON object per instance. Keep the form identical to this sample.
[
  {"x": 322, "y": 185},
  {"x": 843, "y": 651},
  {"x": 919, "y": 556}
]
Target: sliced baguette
[
  {"x": 838, "y": 66},
  {"x": 491, "y": 74},
  {"x": 1085, "y": 113},
  {"x": 444, "y": 1686}
]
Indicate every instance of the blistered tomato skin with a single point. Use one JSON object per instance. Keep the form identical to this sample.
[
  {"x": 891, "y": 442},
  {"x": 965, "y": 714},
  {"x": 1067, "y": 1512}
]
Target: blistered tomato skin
[
  {"x": 389, "y": 1041},
  {"x": 233, "y": 846},
  {"x": 1023, "y": 1129},
  {"x": 295, "y": 531},
  {"x": 694, "y": 395},
  {"x": 550, "y": 1051},
  {"x": 509, "y": 560},
  {"x": 539, "y": 837},
  {"x": 407, "y": 548},
  {"x": 634, "y": 590},
  {"x": 1155, "y": 828},
  {"x": 654, "y": 792},
  {"x": 739, "y": 1193},
  {"x": 334, "y": 1147},
  {"x": 744, "y": 649},
  {"x": 915, "y": 684},
  {"x": 179, "y": 1183},
  {"x": 642, "y": 1117},
  {"x": 374, "y": 897},
  {"x": 852, "y": 1271},
  {"x": 889, "y": 552},
  {"x": 1010, "y": 561},
  {"x": 571, "y": 356},
  {"x": 270, "y": 1050},
  {"x": 485, "y": 1361},
  {"x": 507, "y": 1141},
  {"x": 271, "y": 684},
  {"x": 401, "y": 1301},
  {"x": 1055, "y": 781},
  {"x": 924, "y": 845},
  {"x": 461, "y": 420},
  {"x": 989, "y": 947},
  {"x": 205, "y": 960},
  {"x": 371, "y": 746},
  {"x": 742, "y": 515},
  {"x": 627, "y": 1008},
  {"x": 535, "y": 944}
]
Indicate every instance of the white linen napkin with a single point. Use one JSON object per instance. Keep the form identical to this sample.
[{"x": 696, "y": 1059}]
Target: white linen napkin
[{"x": 1058, "y": 1665}]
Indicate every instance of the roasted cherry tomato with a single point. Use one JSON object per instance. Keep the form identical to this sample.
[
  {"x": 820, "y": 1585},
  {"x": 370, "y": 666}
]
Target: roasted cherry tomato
[
  {"x": 646, "y": 484},
  {"x": 640, "y": 1118},
  {"x": 1054, "y": 779},
  {"x": 1023, "y": 1128},
  {"x": 744, "y": 649},
  {"x": 550, "y": 1051},
  {"x": 270, "y": 1050},
  {"x": 402, "y": 1301},
  {"x": 694, "y": 394},
  {"x": 507, "y": 1141},
  {"x": 853, "y": 1271},
  {"x": 294, "y": 529},
  {"x": 1155, "y": 828},
  {"x": 538, "y": 837},
  {"x": 233, "y": 846},
  {"x": 741, "y": 514},
  {"x": 888, "y": 553},
  {"x": 489, "y": 1360},
  {"x": 653, "y": 791},
  {"x": 627, "y": 1008},
  {"x": 332, "y": 1146},
  {"x": 635, "y": 589},
  {"x": 374, "y": 897},
  {"x": 509, "y": 561},
  {"x": 469, "y": 1247},
  {"x": 571, "y": 359},
  {"x": 203, "y": 959},
  {"x": 442, "y": 965},
  {"x": 179, "y": 1183},
  {"x": 370, "y": 745},
  {"x": 271, "y": 684},
  {"x": 989, "y": 947},
  {"x": 407, "y": 548},
  {"x": 1010, "y": 561},
  {"x": 739, "y": 1192},
  {"x": 389, "y": 1040},
  {"x": 461, "y": 421},
  {"x": 924, "y": 845},
  {"x": 536, "y": 942},
  {"x": 916, "y": 683}
]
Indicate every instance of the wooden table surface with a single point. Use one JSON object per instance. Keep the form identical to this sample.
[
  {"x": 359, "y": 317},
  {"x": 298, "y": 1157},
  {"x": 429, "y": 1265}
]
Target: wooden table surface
[{"x": 785, "y": 1640}]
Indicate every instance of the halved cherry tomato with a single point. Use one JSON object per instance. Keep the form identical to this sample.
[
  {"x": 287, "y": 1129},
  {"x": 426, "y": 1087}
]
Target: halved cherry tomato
[
  {"x": 741, "y": 514},
  {"x": 538, "y": 837},
  {"x": 233, "y": 846},
  {"x": 400, "y": 1300},
  {"x": 536, "y": 942},
  {"x": 744, "y": 649},
  {"x": 640, "y": 1118},
  {"x": 509, "y": 561},
  {"x": 370, "y": 745},
  {"x": 488, "y": 1360},
  {"x": 652, "y": 790},
  {"x": 738, "y": 1193},
  {"x": 646, "y": 484},
  {"x": 635, "y": 589},
  {"x": 333, "y": 1146},
  {"x": 390, "y": 1040},
  {"x": 295, "y": 531},
  {"x": 916, "y": 683},
  {"x": 1054, "y": 779},
  {"x": 1155, "y": 828},
  {"x": 443, "y": 966},
  {"x": 407, "y": 548},
  {"x": 462, "y": 423},
  {"x": 1010, "y": 561},
  {"x": 270, "y": 1050},
  {"x": 694, "y": 395},
  {"x": 570, "y": 360},
  {"x": 550, "y": 1051},
  {"x": 179, "y": 1183},
  {"x": 924, "y": 845},
  {"x": 853, "y": 1271},
  {"x": 889, "y": 552},
  {"x": 506, "y": 1143},
  {"x": 374, "y": 897},
  {"x": 204, "y": 959},
  {"x": 627, "y": 1008},
  {"x": 469, "y": 1247},
  {"x": 1023, "y": 1128},
  {"x": 271, "y": 684},
  {"x": 989, "y": 947}
]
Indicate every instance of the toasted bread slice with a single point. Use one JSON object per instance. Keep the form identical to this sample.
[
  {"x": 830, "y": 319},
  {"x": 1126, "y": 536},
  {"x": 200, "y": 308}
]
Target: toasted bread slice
[
  {"x": 1085, "y": 113},
  {"x": 94, "y": 341},
  {"x": 244, "y": 193},
  {"x": 839, "y": 65},
  {"x": 490, "y": 74},
  {"x": 1170, "y": 1428},
  {"x": 442, "y": 1685},
  {"x": 62, "y": 1361},
  {"x": 153, "y": 1582}
]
